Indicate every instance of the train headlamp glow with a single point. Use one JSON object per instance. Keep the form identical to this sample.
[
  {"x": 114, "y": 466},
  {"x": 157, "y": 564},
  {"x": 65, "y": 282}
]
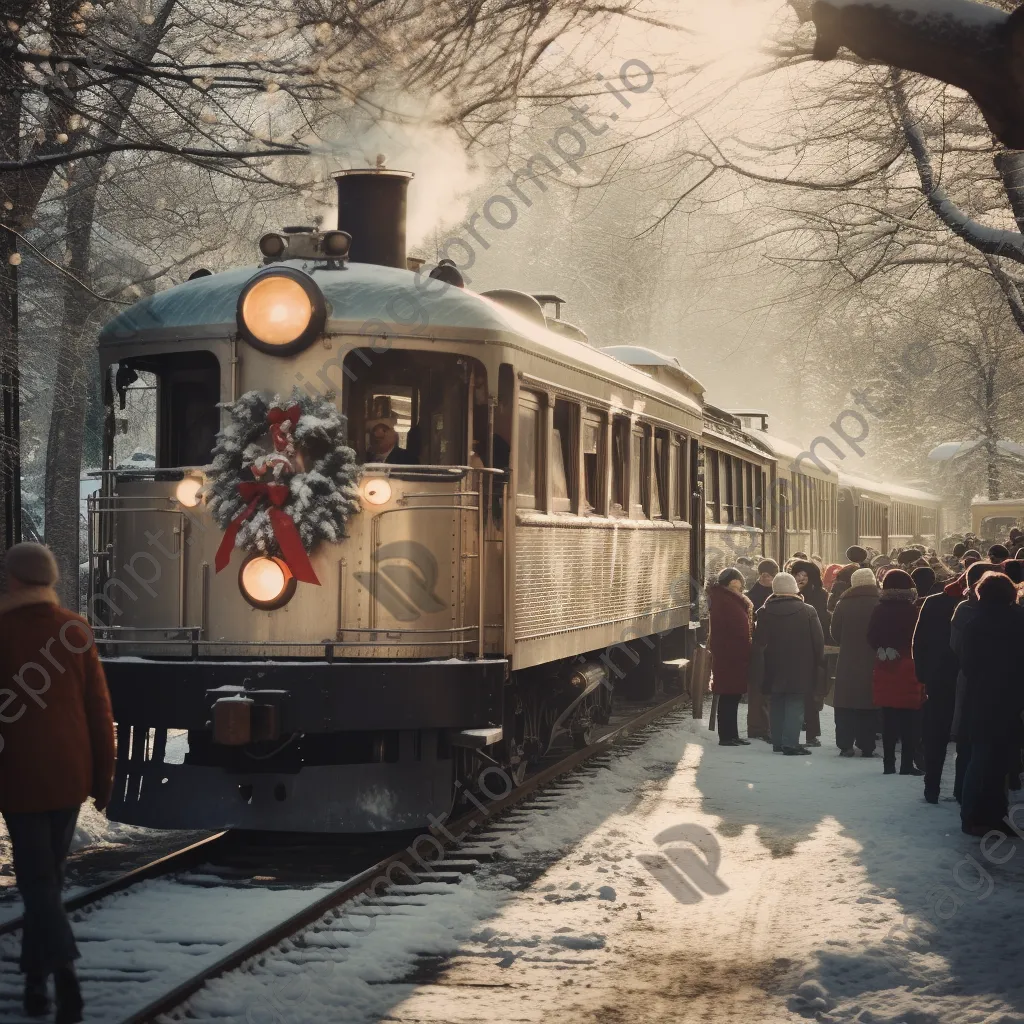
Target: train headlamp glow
[
  {"x": 281, "y": 311},
  {"x": 187, "y": 492},
  {"x": 273, "y": 245},
  {"x": 376, "y": 491},
  {"x": 335, "y": 244},
  {"x": 266, "y": 583}
]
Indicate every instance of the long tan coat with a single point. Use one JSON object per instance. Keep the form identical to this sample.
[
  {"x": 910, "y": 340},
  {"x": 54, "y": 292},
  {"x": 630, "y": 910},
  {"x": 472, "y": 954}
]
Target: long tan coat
[
  {"x": 856, "y": 656},
  {"x": 55, "y": 720}
]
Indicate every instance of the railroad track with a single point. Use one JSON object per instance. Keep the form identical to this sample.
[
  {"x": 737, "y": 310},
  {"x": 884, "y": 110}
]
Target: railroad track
[{"x": 164, "y": 930}]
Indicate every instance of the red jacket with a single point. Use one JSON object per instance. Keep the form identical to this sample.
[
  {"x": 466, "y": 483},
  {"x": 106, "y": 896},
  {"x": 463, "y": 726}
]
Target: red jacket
[
  {"x": 894, "y": 682},
  {"x": 56, "y": 728},
  {"x": 732, "y": 623}
]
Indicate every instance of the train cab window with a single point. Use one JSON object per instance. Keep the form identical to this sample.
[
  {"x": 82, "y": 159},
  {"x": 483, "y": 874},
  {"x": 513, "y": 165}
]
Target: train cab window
[
  {"x": 593, "y": 461},
  {"x": 529, "y": 475},
  {"x": 414, "y": 408},
  {"x": 659, "y": 489},
  {"x": 563, "y": 462},
  {"x": 166, "y": 413},
  {"x": 620, "y": 462},
  {"x": 638, "y": 463}
]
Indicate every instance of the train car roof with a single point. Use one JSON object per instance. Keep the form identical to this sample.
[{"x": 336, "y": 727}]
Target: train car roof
[
  {"x": 785, "y": 450},
  {"x": 364, "y": 295},
  {"x": 880, "y": 487},
  {"x": 723, "y": 425},
  {"x": 638, "y": 355}
]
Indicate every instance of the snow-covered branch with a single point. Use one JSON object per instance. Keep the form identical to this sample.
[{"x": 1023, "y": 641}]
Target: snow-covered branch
[
  {"x": 971, "y": 45},
  {"x": 988, "y": 240}
]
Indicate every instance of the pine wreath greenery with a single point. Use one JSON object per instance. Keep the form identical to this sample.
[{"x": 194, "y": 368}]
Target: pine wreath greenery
[{"x": 323, "y": 495}]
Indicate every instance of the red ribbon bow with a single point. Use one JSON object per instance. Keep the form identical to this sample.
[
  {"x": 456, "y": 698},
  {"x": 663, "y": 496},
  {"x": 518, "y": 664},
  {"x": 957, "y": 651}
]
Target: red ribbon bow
[
  {"x": 276, "y": 417},
  {"x": 285, "y": 531}
]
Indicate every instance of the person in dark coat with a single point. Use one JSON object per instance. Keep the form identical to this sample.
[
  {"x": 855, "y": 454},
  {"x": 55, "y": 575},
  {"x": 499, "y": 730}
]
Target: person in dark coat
[
  {"x": 732, "y": 623},
  {"x": 787, "y": 658},
  {"x": 925, "y": 583},
  {"x": 758, "y": 722},
  {"x": 895, "y": 686},
  {"x": 994, "y": 699},
  {"x": 936, "y": 666},
  {"x": 57, "y": 750},
  {"x": 856, "y": 714},
  {"x": 840, "y": 585},
  {"x": 808, "y": 579},
  {"x": 762, "y": 589}
]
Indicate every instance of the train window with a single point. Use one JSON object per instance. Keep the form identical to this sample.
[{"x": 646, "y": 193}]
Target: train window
[
  {"x": 659, "y": 491},
  {"x": 638, "y": 462},
  {"x": 529, "y": 486},
  {"x": 593, "y": 462},
  {"x": 563, "y": 462},
  {"x": 713, "y": 504},
  {"x": 729, "y": 498},
  {"x": 682, "y": 509},
  {"x": 433, "y": 402},
  {"x": 170, "y": 416},
  {"x": 620, "y": 460},
  {"x": 135, "y": 421},
  {"x": 748, "y": 494}
]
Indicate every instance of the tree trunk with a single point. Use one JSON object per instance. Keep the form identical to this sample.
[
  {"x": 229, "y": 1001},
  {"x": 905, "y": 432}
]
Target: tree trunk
[
  {"x": 70, "y": 388},
  {"x": 1010, "y": 166}
]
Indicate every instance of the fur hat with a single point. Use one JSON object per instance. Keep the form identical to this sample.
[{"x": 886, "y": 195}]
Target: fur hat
[
  {"x": 924, "y": 579},
  {"x": 998, "y": 553},
  {"x": 726, "y": 576},
  {"x": 767, "y": 565},
  {"x": 908, "y": 557},
  {"x": 897, "y": 579},
  {"x": 855, "y": 553},
  {"x": 959, "y": 549},
  {"x": 863, "y": 578},
  {"x": 785, "y": 584},
  {"x": 32, "y": 564},
  {"x": 970, "y": 557}
]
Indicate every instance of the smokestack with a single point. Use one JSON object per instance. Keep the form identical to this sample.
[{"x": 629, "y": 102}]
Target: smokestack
[{"x": 371, "y": 208}]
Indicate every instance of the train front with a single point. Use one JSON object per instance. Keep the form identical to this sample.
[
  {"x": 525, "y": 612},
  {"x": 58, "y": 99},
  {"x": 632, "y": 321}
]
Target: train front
[{"x": 296, "y": 559}]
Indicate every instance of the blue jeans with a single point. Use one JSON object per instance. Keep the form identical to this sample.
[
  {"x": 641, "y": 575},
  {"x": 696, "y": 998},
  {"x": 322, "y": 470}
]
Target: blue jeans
[
  {"x": 787, "y": 716},
  {"x": 40, "y": 843}
]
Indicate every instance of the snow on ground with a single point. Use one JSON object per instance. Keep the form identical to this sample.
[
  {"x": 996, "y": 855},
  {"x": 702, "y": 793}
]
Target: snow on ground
[{"x": 687, "y": 881}]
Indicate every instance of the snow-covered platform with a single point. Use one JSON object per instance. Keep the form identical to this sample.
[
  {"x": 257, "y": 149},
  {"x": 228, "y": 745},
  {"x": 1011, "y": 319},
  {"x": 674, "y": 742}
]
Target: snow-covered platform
[{"x": 687, "y": 881}]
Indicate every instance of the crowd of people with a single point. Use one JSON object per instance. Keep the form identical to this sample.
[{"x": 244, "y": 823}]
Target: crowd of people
[{"x": 923, "y": 650}]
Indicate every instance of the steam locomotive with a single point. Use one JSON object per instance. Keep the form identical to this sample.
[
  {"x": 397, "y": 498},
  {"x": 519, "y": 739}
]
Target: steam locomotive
[{"x": 394, "y": 538}]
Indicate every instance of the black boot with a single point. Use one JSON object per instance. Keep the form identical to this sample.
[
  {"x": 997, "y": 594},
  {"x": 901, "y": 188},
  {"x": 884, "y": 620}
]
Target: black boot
[
  {"x": 69, "y": 996},
  {"x": 37, "y": 998}
]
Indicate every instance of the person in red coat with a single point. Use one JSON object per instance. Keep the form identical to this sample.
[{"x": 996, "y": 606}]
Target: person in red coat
[
  {"x": 732, "y": 624},
  {"x": 895, "y": 687},
  {"x": 56, "y": 750}
]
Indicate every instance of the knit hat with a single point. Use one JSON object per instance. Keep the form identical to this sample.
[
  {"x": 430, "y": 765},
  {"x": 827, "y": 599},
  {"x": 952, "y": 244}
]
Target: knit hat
[
  {"x": 32, "y": 564},
  {"x": 726, "y": 576},
  {"x": 970, "y": 556},
  {"x": 785, "y": 584},
  {"x": 897, "y": 579},
  {"x": 998, "y": 553},
  {"x": 855, "y": 553},
  {"x": 924, "y": 579},
  {"x": 996, "y": 588},
  {"x": 768, "y": 565},
  {"x": 863, "y": 578}
]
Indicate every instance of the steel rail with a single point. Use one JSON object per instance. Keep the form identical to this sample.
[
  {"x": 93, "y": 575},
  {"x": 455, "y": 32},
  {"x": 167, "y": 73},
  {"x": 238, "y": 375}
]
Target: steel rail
[
  {"x": 180, "y": 860},
  {"x": 375, "y": 878}
]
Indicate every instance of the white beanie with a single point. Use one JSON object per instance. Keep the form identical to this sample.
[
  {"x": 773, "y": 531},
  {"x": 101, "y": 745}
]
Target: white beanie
[
  {"x": 31, "y": 564},
  {"x": 785, "y": 583},
  {"x": 864, "y": 578}
]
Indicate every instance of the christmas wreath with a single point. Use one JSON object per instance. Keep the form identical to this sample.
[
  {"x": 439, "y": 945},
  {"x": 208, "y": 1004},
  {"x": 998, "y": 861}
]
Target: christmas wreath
[{"x": 283, "y": 479}]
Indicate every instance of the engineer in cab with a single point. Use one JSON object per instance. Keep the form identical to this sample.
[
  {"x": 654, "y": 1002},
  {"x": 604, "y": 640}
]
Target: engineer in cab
[{"x": 384, "y": 443}]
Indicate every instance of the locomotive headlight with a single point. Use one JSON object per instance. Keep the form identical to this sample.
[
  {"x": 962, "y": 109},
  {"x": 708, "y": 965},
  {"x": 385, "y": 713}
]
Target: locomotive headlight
[
  {"x": 281, "y": 310},
  {"x": 376, "y": 491},
  {"x": 335, "y": 243},
  {"x": 266, "y": 583},
  {"x": 187, "y": 492},
  {"x": 273, "y": 245}
]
